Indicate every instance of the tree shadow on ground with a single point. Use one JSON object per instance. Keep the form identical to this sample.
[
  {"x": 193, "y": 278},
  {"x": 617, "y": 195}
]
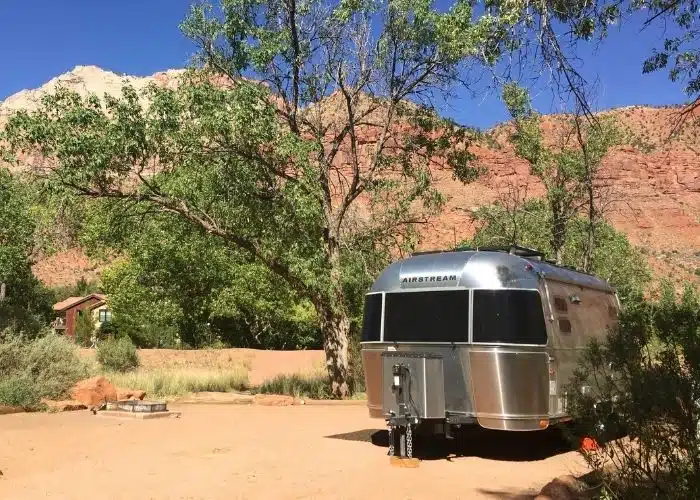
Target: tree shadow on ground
[{"x": 476, "y": 442}]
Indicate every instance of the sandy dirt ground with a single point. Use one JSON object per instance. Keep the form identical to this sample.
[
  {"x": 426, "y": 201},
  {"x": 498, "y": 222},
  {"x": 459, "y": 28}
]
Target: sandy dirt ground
[
  {"x": 262, "y": 365},
  {"x": 227, "y": 452}
]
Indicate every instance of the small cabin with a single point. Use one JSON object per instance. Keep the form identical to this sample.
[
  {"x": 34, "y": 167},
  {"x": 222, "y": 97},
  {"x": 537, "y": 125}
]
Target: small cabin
[{"x": 69, "y": 310}]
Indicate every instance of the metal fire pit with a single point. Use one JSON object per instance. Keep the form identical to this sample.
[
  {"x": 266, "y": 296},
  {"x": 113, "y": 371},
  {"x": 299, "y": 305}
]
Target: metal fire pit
[{"x": 136, "y": 406}]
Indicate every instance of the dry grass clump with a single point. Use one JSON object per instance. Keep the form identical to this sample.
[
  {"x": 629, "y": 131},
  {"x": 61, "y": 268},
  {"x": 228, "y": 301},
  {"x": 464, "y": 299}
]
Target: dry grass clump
[{"x": 172, "y": 383}]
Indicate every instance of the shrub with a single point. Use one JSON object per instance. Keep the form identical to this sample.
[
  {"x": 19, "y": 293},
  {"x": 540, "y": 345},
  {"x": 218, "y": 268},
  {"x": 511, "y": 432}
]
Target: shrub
[
  {"x": 118, "y": 354},
  {"x": 46, "y": 367},
  {"x": 54, "y": 364},
  {"x": 19, "y": 390},
  {"x": 646, "y": 375}
]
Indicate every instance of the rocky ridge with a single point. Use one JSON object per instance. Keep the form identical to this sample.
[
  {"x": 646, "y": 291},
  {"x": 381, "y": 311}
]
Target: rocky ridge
[{"x": 653, "y": 184}]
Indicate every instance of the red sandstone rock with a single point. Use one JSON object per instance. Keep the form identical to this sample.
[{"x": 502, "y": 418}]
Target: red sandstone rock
[
  {"x": 7, "y": 410},
  {"x": 561, "y": 488},
  {"x": 66, "y": 405},
  {"x": 94, "y": 391},
  {"x": 273, "y": 400},
  {"x": 123, "y": 394}
]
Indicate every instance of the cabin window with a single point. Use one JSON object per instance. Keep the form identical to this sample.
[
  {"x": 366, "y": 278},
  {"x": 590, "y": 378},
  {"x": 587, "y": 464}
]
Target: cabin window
[
  {"x": 508, "y": 317},
  {"x": 564, "y": 325},
  {"x": 372, "y": 320},
  {"x": 105, "y": 315},
  {"x": 560, "y": 304},
  {"x": 427, "y": 316}
]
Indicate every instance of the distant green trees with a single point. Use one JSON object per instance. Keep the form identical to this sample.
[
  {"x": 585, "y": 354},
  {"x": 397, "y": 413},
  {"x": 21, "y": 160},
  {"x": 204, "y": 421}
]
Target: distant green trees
[
  {"x": 530, "y": 225},
  {"x": 174, "y": 286}
]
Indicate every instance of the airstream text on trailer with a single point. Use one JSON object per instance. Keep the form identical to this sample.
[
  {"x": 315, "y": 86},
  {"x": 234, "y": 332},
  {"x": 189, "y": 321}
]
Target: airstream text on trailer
[{"x": 487, "y": 337}]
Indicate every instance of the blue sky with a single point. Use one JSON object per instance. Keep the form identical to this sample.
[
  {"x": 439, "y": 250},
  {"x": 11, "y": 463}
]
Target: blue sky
[{"x": 41, "y": 39}]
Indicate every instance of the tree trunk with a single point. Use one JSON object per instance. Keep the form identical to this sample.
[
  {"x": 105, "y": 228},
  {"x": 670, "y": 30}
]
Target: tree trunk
[
  {"x": 558, "y": 232},
  {"x": 335, "y": 327},
  {"x": 590, "y": 241}
]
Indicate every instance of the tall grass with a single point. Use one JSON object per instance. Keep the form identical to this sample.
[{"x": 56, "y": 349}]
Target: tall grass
[
  {"x": 300, "y": 386},
  {"x": 172, "y": 383}
]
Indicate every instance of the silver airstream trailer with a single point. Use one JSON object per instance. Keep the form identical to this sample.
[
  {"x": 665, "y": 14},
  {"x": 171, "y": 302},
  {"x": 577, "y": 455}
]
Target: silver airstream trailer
[{"x": 484, "y": 337}]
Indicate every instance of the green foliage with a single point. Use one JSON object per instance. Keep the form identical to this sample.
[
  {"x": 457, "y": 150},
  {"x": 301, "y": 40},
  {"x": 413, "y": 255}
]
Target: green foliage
[
  {"x": 537, "y": 29},
  {"x": 118, "y": 354},
  {"x": 180, "y": 285},
  {"x": 19, "y": 390},
  {"x": 567, "y": 169},
  {"x": 46, "y": 367},
  {"x": 644, "y": 380},
  {"x": 614, "y": 258},
  {"x": 27, "y": 304},
  {"x": 84, "y": 328}
]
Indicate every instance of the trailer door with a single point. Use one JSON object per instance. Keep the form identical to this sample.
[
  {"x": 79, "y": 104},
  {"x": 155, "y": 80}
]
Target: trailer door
[{"x": 509, "y": 366}]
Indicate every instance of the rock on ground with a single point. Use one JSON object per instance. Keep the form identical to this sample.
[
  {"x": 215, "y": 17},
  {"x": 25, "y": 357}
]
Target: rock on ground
[
  {"x": 123, "y": 394},
  {"x": 66, "y": 405},
  {"x": 273, "y": 400},
  {"x": 6, "y": 410},
  {"x": 565, "y": 487},
  {"x": 94, "y": 391}
]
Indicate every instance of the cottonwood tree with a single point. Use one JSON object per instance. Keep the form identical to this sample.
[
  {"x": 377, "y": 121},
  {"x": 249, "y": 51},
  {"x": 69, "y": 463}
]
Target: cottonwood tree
[
  {"x": 544, "y": 38},
  {"x": 567, "y": 165},
  {"x": 306, "y": 133}
]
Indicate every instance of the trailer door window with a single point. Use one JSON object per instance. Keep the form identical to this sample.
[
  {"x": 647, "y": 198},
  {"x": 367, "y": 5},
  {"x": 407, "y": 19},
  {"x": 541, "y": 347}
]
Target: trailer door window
[
  {"x": 508, "y": 317},
  {"x": 427, "y": 316},
  {"x": 372, "y": 320}
]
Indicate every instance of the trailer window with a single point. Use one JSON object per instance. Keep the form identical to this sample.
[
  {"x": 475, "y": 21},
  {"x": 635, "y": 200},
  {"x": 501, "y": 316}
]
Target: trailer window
[
  {"x": 427, "y": 316},
  {"x": 508, "y": 317},
  {"x": 372, "y": 320},
  {"x": 560, "y": 304},
  {"x": 564, "y": 325}
]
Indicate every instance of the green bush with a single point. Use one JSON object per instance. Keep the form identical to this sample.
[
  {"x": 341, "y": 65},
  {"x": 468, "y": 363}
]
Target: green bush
[
  {"x": 118, "y": 354},
  {"x": 644, "y": 381},
  {"x": 46, "y": 367},
  {"x": 54, "y": 364},
  {"x": 19, "y": 390}
]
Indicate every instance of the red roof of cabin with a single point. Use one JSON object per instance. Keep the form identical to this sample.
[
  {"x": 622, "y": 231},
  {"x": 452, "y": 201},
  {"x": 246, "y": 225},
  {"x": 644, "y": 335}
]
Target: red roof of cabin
[{"x": 74, "y": 301}]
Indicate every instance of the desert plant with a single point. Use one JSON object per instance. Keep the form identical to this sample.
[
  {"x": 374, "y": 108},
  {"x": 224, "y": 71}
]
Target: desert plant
[
  {"x": 46, "y": 367},
  {"x": 118, "y": 354},
  {"x": 19, "y": 390},
  {"x": 54, "y": 365},
  {"x": 644, "y": 380}
]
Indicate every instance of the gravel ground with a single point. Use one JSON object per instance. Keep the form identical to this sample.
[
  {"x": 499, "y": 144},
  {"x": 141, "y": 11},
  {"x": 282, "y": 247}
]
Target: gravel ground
[{"x": 226, "y": 452}]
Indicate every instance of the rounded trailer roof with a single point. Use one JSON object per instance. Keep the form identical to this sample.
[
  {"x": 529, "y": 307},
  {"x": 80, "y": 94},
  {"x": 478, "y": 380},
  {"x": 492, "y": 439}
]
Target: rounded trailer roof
[{"x": 477, "y": 269}]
